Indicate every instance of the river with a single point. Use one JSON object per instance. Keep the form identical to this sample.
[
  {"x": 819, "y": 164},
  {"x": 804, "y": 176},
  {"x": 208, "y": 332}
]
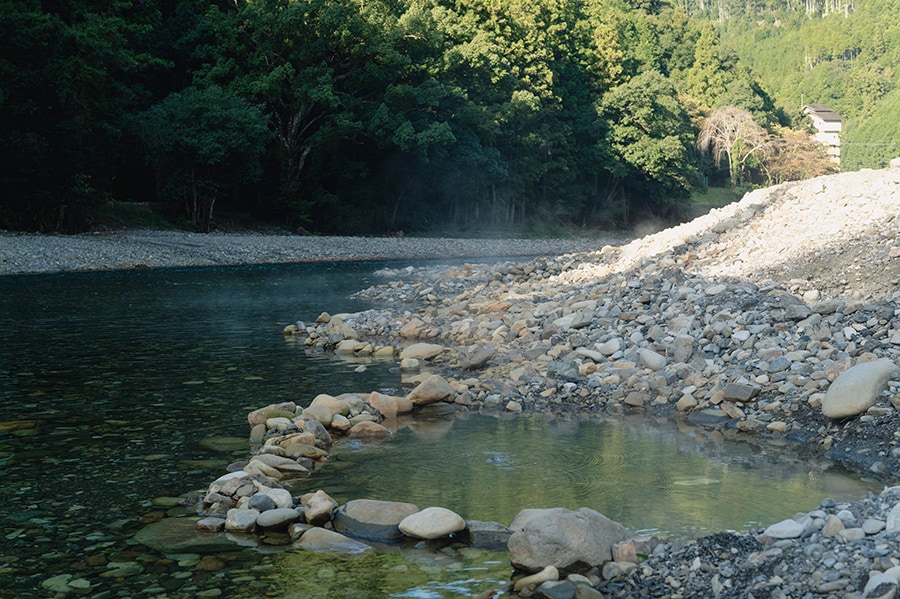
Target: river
[{"x": 122, "y": 393}]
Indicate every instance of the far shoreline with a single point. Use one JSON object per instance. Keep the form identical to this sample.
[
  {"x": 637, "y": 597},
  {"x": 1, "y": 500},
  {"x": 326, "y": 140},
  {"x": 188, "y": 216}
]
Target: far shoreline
[{"x": 24, "y": 253}]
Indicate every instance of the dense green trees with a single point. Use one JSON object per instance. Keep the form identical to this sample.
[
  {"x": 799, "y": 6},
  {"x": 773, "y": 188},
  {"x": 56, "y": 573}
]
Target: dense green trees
[{"x": 382, "y": 115}]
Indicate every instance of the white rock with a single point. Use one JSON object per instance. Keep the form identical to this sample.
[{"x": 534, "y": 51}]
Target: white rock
[
  {"x": 652, "y": 360},
  {"x": 432, "y": 523},
  {"x": 856, "y": 389},
  {"x": 786, "y": 529}
]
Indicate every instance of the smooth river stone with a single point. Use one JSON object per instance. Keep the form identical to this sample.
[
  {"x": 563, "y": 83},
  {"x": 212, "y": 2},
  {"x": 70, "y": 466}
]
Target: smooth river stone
[
  {"x": 786, "y": 529},
  {"x": 372, "y": 520},
  {"x": 318, "y": 507},
  {"x": 421, "y": 351},
  {"x": 855, "y": 390},
  {"x": 277, "y": 518},
  {"x": 432, "y": 523},
  {"x": 282, "y": 497}
]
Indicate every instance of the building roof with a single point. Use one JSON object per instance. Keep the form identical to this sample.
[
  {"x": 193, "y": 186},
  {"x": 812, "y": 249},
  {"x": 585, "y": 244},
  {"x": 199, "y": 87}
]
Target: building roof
[{"x": 823, "y": 112}]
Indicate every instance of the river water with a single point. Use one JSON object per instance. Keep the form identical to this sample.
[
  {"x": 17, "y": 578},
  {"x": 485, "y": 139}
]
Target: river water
[{"x": 122, "y": 392}]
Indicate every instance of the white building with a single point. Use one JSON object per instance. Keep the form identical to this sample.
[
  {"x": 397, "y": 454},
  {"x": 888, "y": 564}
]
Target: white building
[{"x": 828, "y": 128}]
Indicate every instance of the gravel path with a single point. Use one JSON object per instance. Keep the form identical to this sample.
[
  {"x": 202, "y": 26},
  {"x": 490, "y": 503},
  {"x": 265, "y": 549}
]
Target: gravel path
[{"x": 166, "y": 249}]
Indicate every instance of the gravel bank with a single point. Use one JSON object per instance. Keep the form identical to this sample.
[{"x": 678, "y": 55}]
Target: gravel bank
[{"x": 21, "y": 254}]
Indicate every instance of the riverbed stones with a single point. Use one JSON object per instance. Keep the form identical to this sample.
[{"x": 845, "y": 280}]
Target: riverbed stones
[
  {"x": 856, "y": 389},
  {"x": 372, "y": 520},
  {"x": 324, "y": 540},
  {"x": 570, "y": 540},
  {"x": 181, "y": 535},
  {"x": 432, "y": 523}
]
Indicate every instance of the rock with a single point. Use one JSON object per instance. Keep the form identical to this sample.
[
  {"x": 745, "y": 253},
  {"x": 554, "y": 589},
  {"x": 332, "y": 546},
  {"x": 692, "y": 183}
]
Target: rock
[
  {"x": 320, "y": 413},
  {"x": 318, "y": 507},
  {"x": 282, "y": 497},
  {"x": 881, "y": 586},
  {"x": 432, "y": 523},
  {"x": 434, "y": 388},
  {"x": 786, "y": 529},
  {"x": 388, "y": 405},
  {"x": 652, "y": 360},
  {"x": 372, "y": 520},
  {"x": 533, "y": 580},
  {"x": 239, "y": 520},
  {"x": 211, "y": 524},
  {"x": 556, "y": 589},
  {"x": 892, "y": 523},
  {"x": 324, "y": 540},
  {"x": 285, "y": 410},
  {"x": 740, "y": 392},
  {"x": 491, "y": 536},
  {"x": 368, "y": 430},
  {"x": 421, "y": 351},
  {"x": 335, "y": 405},
  {"x": 277, "y": 518},
  {"x": 476, "y": 356},
  {"x": 856, "y": 389},
  {"x": 610, "y": 347},
  {"x": 180, "y": 535},
  {"x": 261, "y": 503},
  {"x": 894, "y": 163},
  {"x": 569, "y": 540}
]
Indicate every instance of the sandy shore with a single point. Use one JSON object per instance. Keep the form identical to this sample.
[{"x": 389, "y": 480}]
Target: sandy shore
[{"x": 30, "y": 253}]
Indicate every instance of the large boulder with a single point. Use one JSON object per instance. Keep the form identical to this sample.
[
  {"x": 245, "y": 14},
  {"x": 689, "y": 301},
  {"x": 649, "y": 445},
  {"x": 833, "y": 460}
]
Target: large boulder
[
  {"x": 570, "y": 540},
  {"x": 856, "y": 389},
  {"x": 180, "y": 535},
  {"x": 372, "y": 520}
]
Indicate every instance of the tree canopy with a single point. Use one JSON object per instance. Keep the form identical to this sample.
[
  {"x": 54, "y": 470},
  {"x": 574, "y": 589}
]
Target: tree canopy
[{"x": 358, "y": 116}]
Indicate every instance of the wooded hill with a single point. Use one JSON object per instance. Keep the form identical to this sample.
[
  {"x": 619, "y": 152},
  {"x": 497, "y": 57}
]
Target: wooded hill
[{"x": 362, "y": 116}]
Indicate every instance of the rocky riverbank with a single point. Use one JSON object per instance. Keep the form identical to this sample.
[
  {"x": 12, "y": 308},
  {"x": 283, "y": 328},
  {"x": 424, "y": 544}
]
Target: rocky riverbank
[{"x": 776, "y": 317}]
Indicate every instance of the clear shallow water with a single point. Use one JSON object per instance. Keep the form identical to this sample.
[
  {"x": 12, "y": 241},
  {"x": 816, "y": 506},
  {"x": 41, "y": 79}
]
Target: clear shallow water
[{"x": 110, "y": 382}]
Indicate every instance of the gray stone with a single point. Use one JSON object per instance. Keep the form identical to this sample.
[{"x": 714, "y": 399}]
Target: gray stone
[
  {"x": 569, "y": 540},
  {"x": 372, "y": 520},
  {"x": 491, "y": 536},
  {"x": 556, "y": 589},
  {"x": 180, "y": 535},
  {"x": 740, "y": 392},
  {"x": 261, "y": 503},
  {"x": 786, "y": 529},
  {"x": 652, "y": 360},
  {"x": 881, "y": 586},
  {"x": 239, "y": 520},
  {"x": 476, "y": 356},
  {"x": 277, "y": 518}
]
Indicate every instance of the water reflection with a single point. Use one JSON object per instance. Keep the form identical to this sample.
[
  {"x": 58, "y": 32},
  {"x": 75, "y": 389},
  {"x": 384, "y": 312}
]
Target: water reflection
[{"x": 657, "y": 477}]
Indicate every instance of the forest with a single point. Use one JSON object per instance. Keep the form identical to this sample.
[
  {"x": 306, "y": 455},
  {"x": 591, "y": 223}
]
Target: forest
[{"x": 391, "y": 116}]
